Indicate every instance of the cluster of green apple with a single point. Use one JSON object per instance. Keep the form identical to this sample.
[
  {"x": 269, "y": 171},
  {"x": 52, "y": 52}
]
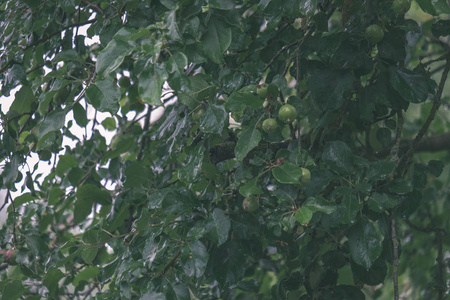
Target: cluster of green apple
[{"x": 287, "y": 113}]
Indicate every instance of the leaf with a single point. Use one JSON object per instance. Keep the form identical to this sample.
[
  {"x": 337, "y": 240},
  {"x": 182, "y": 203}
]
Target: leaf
[
  {"x": 375, "y": 275},
  {"x": 104, "y": 95},
  {"x": 379, "y": 170},
  {"x": 349, "y": 208},
  {"x": 435, "y": 167},
  {"x": 136, "y": 175},
  {"x": 197, "y": 258},
  {"x": 217, "y": 40},
  {"x": 11, "y": 171},
  {"x": 219, "y": 226},
  {"x": 303, "y": 215},
  {"x": 194, "y": 92},
  {"x": 176, "y": 291},
  {"x": 214, "y": 119},
  {"x": 153, "y": 295},
  {"x": 229, "y": 263},
  {"x": 53, "y": 122},
  {"x": 380, "y": 202},
  {"x": 13, "y": 290},
  {"x": 320, "y": 204},
  {"x": 79, "y": 114},
  {"x": 328, "y": 86},
  {"x": 338, "y": 156},
  {"x": 51, "y": 279},
  {"x": 241, "y": 99},
  {"x": 114, "y": 53},
  {"x": 193, "y": 167},
  {"x": 441, "y": 28},
  {"x": 85, "y": 274},
  {"x": 221, "y": 4},
  {"x": 365, "y": 243},
  {"x": 23, "y": 100},
  {"x": 65, "y": 162},
  {"x": 412, "y": 87},
  {"x": 86, "y": 196},
  {"x": 250, "y": 188},
  {"x": 150, "y": 84},
  {"x": 287, "y": 173},
  {"x": 247, "y": 141},
  {"x": 172, "y": 25}
]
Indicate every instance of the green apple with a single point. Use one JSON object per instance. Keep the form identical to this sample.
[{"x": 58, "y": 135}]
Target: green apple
[
  {"x": 250, "y": 204},
  {"x": 287, "y": 113},
  {"x": 269, "y": 125},
  {"x": 400, "y": 7},
  {"x": 262, "y": 90},
  {"x": 374, "y": 33},
  {"x": 306, "y": 177}
]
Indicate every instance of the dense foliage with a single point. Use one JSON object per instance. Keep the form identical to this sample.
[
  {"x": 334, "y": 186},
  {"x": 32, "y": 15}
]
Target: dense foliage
[{"x": 302, "y": 152}]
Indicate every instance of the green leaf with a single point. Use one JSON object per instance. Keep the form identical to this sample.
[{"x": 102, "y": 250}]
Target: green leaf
[
  {"x": 86, "y": 196},
  {"x": 365, "y": 243},
  {"x": 153, "y": 295},
  {"x": 79, "y": 114},
  {"x": 229, "y": 263},
  {"x": 221, "y": 4},
  {"x": 441, "y": 28},
  {"x": 401, "y": 186},
  {"x": 197, "y": 258},
  {"x": 320, "y": 204},
  {"x": 114, "y": 53},
  {"x": 247, "y": 141},
  {"x": 51, "y": 279},
  {"x": 22, "y": 199},
  {"x": 196, "y": 90},
  {"x": 85, "y": 274},
  {"x": 217, "y": 40},
  {"x": 176, "y": 291},
  {"x": 13, "y": 290},
  {"x": 214, "y": 119},
  {"x": 11, "y": 171},
  {"x": 53, "y": 122},
  {"x": 412, "y": 87},
  {"x": 349, "y": 207},
  {"x": 219, "y": 226},
  {"x": 150, "y": 84},
  {"x": 287, "y": 173},
  {"x": 104, "y": 95},
  {"x": 137, "y": 175},
  {"x": 435, "y": 167},
  {"x": 250, "y": 188},
  {"x": 338, "y": 156},
  {"x": 328, "y": 86},
  {"x": 193, "y": 166},
  {"x": 380, "y": 202},
  {"x": 172, "y": 25},
  {"x": 303, "y": 215},
  {"x": 348, "y": 292},
  {"x": 89, "y": 253},
  {"x": 379, "y": 170},
  {"x": 65, "y": 162},
  {"x": 23, "y": 100},
  {"x": 241, "y": 99},
  {"x": 375, "y": 275}
]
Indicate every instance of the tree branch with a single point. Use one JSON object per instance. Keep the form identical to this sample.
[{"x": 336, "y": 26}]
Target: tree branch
[{"x": 406, "y": 160}]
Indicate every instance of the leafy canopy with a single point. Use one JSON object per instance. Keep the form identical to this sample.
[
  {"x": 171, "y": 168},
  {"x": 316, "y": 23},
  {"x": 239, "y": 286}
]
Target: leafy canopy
[{"x": 336, "y": 202}]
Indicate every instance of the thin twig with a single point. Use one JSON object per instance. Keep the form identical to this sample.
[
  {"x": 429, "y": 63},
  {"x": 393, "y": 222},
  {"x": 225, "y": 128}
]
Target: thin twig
[
  {"x": 405, "y": 161},
  {"x": 395, "y": 253},
  {"x": 398, "y": 135}
]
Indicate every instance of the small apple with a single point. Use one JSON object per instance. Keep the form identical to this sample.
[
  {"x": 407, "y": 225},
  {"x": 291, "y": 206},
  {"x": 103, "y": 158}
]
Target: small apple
[
  {"x": 10, "y": 257},
  {"x": 287, "y": 113},
  {"x": 269, "y": 125},
  {"x": 400, "y": 7},
  {"x": 306, "y": 177},
  {"x": 374, "y": 33},
  {"x": 250, "y": 204},
  {"x": 262, "y": 90}
]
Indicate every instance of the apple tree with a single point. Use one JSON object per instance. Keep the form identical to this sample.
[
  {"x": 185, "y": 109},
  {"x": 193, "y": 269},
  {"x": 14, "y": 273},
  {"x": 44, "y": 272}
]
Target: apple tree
[{"x": 232, "y": 149}]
